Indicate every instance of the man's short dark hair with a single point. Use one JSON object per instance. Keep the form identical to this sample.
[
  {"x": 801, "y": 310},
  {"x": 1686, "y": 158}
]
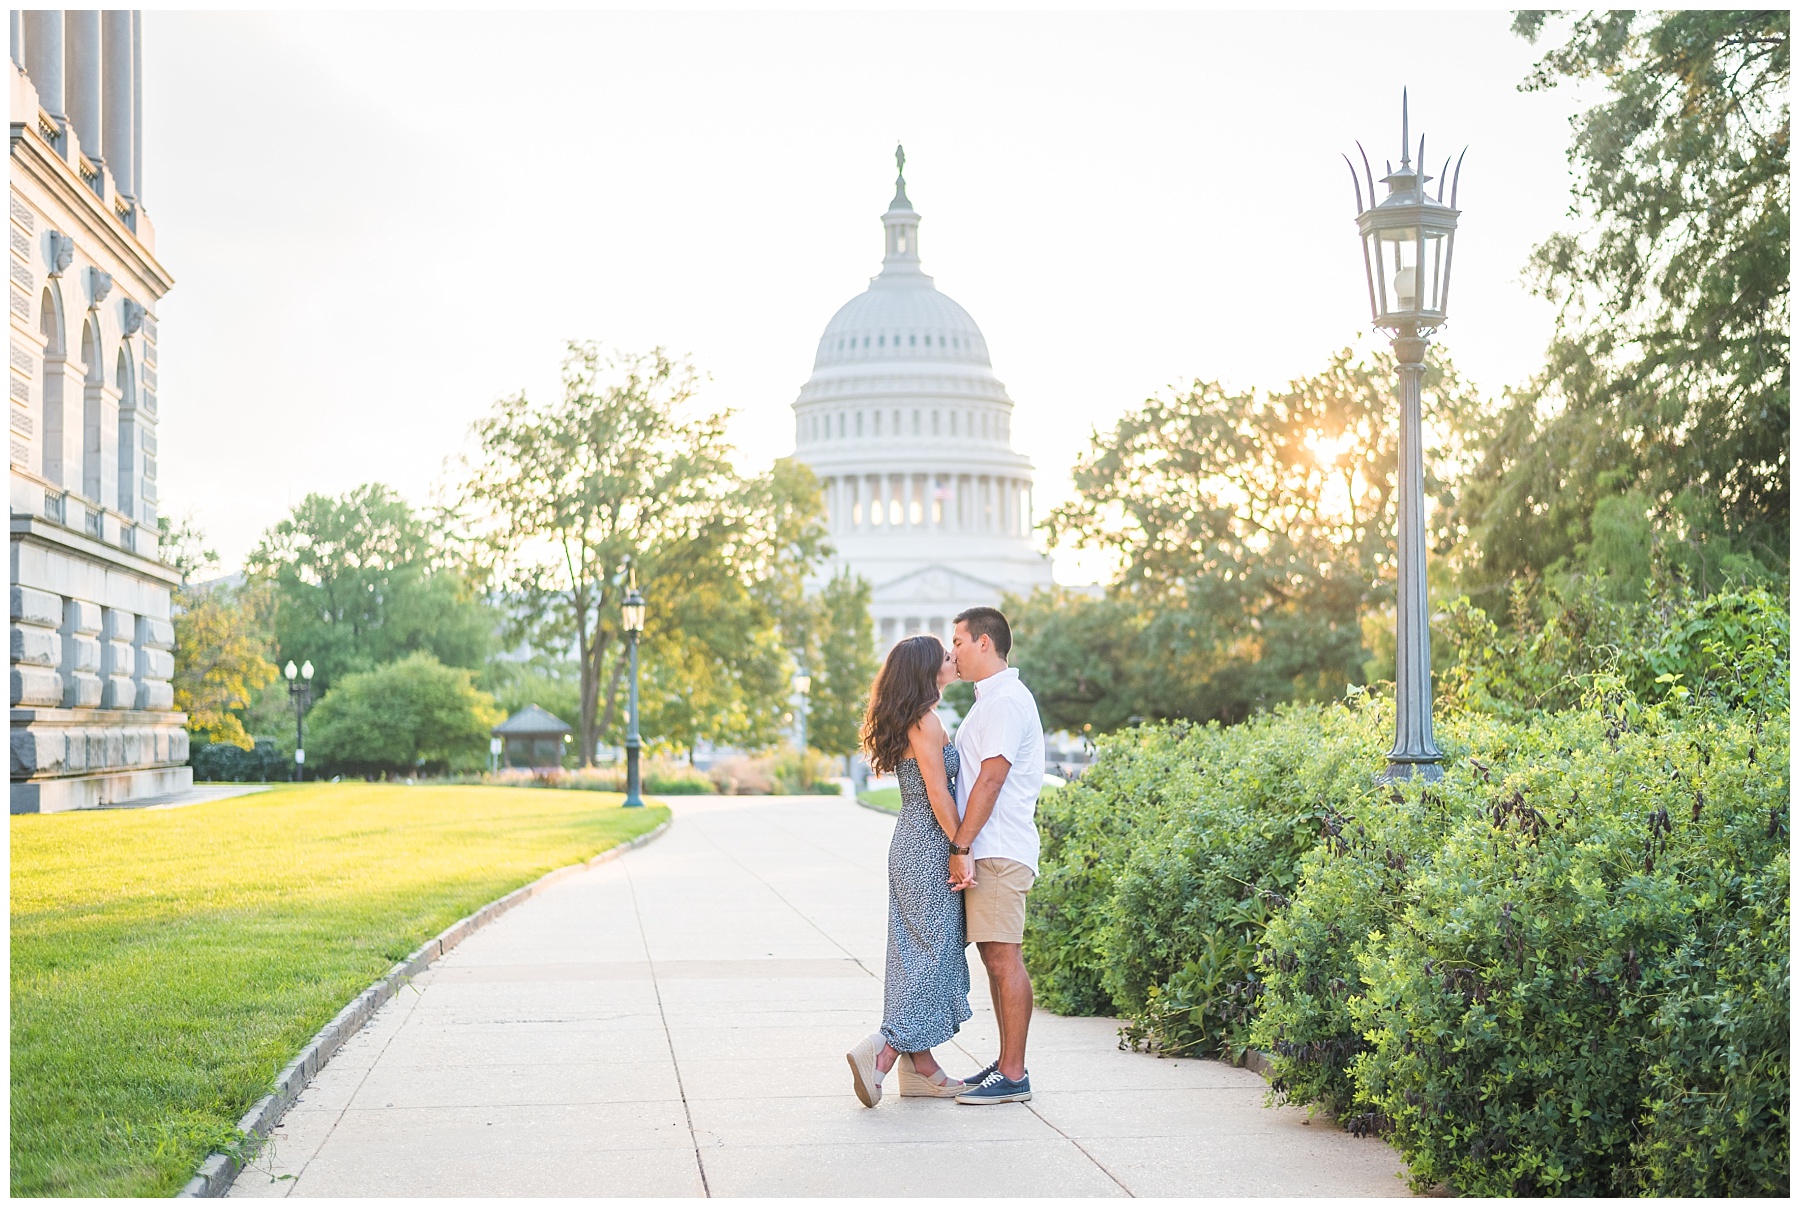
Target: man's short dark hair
[{"x": 989, "y": 623}]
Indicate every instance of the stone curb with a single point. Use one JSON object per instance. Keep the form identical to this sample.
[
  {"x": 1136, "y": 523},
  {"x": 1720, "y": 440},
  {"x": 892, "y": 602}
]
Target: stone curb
[
  {"x": 216, "y": 1173},
  {"x": 1256, "y": 1061}
]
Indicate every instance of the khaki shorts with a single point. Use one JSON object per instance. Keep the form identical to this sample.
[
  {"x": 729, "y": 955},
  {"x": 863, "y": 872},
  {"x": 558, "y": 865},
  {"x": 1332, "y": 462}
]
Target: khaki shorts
[{"x": 995, "y": 908}]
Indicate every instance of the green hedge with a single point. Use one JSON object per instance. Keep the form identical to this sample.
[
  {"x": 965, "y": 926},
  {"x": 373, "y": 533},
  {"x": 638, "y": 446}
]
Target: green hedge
[{"x": 1563, "y": 969}]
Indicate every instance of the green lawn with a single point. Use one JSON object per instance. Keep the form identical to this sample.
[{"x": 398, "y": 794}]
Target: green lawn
[
  {"x": 166, "y": 964},
  {"x": 884, "y": 799}
]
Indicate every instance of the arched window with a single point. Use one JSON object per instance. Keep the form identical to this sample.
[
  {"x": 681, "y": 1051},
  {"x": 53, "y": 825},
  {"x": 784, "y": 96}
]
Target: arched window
[
  {"x": 50, "y": 326},
  {"x": 128, "y": 435},
  {"x": 93, "y": 406}
]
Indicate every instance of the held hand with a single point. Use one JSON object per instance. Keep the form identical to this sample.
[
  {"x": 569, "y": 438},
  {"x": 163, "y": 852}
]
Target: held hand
[{"x": 962, "y": 872}]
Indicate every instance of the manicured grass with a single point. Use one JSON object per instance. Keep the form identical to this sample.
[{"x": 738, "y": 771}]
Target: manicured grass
[
  {"x": 166, "y": 964},
  {"x": 884, "y": 799}
]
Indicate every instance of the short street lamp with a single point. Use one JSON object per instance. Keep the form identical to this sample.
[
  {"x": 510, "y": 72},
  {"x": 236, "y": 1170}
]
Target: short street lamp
[
  {"x": 633, "y": 613},
  {"x": 1407, "y": 241},
  {"x": 300, "y": 692},
  {"x": 802, "y": 686}
]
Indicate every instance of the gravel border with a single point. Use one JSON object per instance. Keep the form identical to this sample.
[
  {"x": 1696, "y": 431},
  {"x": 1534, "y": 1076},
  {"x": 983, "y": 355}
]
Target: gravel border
[{"x": 216, "y": 1173}]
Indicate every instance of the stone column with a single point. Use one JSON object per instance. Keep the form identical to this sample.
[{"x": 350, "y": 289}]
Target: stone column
[
  {"x": 155, "y": 645},
  {"x": 81, "y": 60},
  {"x": 137, "y": 105},
  {"x": 118, "y": 96},
  {"x": 44, "y": 58},
  {"x": 81, "y": 655},
  {"x": 17, "y": 32},
  {"x": 37, "y": 648},
  {"x": 118, "y": 659}
]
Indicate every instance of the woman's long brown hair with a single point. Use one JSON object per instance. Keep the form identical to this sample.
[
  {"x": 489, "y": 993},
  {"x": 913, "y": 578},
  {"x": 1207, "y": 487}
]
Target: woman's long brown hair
[{"x": 905, "y": 690}]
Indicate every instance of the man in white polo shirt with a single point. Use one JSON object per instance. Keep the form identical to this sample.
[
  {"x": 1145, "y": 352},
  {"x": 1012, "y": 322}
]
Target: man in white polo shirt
[{"x": 994, "y": 856}]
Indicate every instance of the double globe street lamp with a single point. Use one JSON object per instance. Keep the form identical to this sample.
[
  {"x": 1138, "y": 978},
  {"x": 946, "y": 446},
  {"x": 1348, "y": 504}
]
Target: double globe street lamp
[
  {"x": 1408, "y": 239},
  {"x": 632, "y": 613},
  {"x": 300, "y": 692}
]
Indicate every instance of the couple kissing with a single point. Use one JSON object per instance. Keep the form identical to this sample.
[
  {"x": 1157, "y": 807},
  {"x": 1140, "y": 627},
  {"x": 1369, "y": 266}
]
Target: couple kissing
[{"x": 963, "y": 856}]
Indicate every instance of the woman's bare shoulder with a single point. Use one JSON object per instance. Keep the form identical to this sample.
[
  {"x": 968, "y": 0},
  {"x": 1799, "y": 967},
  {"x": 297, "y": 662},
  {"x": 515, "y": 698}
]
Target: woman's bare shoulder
[{"x": 930, "y": 731}]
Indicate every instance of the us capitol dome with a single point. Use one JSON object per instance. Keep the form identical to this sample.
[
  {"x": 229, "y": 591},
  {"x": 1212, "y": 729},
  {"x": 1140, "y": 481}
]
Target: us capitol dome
[{"x": 910, "y": 434}]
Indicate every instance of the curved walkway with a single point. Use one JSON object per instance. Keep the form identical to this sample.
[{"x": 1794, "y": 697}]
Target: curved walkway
[{"x": 674, "y": 1023}]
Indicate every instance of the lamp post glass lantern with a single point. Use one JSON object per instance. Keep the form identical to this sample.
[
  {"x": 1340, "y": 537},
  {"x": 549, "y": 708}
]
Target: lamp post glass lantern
[
  {"x": 1408, "y": 241},
  {"x": 632, "y": 614},
  {"x": 300, "y": 692}
]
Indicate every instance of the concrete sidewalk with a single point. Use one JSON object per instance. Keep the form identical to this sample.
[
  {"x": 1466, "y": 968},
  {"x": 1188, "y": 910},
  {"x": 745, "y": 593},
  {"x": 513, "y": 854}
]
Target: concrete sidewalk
[{"x": 675, "y": 1022}]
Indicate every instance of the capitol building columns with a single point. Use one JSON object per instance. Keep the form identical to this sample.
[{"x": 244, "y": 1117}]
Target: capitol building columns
[{"x": 908, "y": 430}]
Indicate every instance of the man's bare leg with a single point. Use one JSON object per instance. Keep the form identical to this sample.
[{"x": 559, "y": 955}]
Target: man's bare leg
[{"x": 1011, "y": 988}]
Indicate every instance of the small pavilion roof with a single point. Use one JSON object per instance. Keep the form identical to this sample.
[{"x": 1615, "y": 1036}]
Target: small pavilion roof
[{"x": 533, "y": 722}]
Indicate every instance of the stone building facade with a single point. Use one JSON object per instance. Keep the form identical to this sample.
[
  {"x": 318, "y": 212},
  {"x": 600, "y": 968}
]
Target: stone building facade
[
  {"x": 93, "y": 715},
  {"x": 910, "y": 433}
]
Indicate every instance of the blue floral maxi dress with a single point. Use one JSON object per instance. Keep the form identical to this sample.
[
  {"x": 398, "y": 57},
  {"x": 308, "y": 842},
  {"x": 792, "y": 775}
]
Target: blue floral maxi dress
[{"x": 926, "y": 998}]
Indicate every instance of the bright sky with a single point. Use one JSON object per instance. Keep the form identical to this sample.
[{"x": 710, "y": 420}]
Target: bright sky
[{"x": 381, "y": 222}]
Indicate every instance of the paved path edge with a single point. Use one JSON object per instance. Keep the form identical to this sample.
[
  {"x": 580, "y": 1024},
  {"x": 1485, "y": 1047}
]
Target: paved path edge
[{"x": 216, "y": 1174}]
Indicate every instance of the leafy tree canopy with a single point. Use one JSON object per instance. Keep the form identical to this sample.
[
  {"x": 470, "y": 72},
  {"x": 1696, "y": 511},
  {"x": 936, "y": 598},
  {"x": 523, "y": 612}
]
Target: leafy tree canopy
[
  {"x": 624, "y": 478},
  {"x": 842, "y": 663},
  {"x": 363, "y": 580},
  {"x": 221, "y": 648},
  {"x": 1668, "y": 374},
  {"x": 1253, "y": 530}
]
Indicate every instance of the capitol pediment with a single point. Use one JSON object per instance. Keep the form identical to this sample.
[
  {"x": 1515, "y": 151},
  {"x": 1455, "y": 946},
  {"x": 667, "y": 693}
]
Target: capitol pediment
[{"x": 935, "y": 583}]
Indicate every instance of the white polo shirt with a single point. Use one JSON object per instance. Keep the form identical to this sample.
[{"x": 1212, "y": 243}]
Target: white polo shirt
[{"x": 1004, "y": 721}]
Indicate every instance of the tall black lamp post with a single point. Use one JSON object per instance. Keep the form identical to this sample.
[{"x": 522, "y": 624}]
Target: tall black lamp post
[
  {"x": 633, "y": 613},
  {"x": 300, "y": 692},
  {"x": 1407, "y": 240}
]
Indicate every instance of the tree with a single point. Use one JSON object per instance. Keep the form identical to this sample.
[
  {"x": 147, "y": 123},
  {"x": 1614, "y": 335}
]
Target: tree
[
  {"x": 1254, "y": 530},
  {"x": 1080, "y": 652},
  {"x": 734, "y": 614},
  {"x": 363, "y": 580},
  {"x": 842, "y": 664},
  {"x": 1668, "y": 373},
  {"x": 183, "y": 546},
  {"x": 221, "y": 646},
  {"x": 624, "y": 477},
  {"x": 413, "y": 715}
]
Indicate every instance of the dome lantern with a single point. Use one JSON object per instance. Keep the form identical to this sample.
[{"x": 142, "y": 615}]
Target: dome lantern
[{"x": 902, "y": 226}]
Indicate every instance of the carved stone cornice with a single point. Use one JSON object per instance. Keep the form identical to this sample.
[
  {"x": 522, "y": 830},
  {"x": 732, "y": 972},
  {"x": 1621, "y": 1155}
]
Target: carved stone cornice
[{"x": 35, "y": 158}]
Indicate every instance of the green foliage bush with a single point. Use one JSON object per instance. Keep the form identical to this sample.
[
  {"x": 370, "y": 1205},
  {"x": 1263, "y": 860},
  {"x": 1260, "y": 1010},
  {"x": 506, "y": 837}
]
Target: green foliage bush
[
  {"x": 1562, "y": 969},
  {"x": 413, "y": 715},
  {"x": 223, "y": 761}
]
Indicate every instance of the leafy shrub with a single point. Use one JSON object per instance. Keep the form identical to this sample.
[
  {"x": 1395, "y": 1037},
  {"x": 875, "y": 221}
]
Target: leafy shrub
[
  {"x": 227, "y": 762},
  {"x": 1086, "y": 831},
  {"x": 1161, "y": 864},
  {"x": 1562, "y": 969},
  {"x": 412, "y": 715},
  {"x": 1514, "y": 991},
  {"x": 655, "y": 776},
  {"x": 783, "y": 771},
  {"x": 1732, "y": 647}
]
